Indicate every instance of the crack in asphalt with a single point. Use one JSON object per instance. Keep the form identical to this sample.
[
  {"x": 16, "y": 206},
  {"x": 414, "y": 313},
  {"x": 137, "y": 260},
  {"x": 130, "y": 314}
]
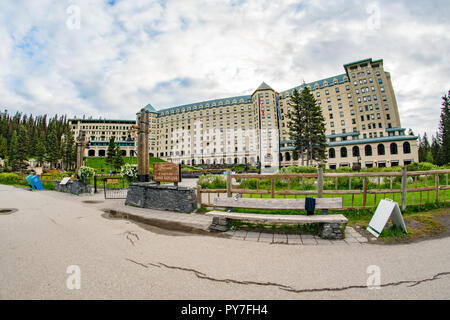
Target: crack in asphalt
[
  {"x": 202, "y": 275},
  {"x": 130, "y": 235}
]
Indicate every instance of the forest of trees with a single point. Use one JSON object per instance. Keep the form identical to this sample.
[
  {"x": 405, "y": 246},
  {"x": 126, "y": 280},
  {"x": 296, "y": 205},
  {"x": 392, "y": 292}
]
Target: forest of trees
[
  {"x": 24, "y": 137},
  {"x": 438, "y": 151}
]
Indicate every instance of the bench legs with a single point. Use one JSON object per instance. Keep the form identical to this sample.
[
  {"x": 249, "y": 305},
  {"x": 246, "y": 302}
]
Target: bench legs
[
  {"x": 331, "y": 231},
  {"x": 219, "y": 224}
]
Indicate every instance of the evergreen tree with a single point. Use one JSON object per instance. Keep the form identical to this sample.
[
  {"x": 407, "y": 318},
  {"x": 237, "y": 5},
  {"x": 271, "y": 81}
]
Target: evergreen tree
[
  {"x": 424, "y": 149},
  {"x": 3, "y": 148},
  {"x": 410, "y": 132},
  {"x": 53, "y": 149},
  {"x": 118, "y": 159},
  {"x": 22, "y": 148},
  {"x": 444, "y": 131},
  {"x": 111, "y": 152},
  {"x": 435, "y": 148},
  {"x": 41, "y": 150},
  {"x": 297, "y": 130},
  {"x": 12, "y": 152},
  {"x": 307, "y": 126},
  {"x": 68, "y": 154}
]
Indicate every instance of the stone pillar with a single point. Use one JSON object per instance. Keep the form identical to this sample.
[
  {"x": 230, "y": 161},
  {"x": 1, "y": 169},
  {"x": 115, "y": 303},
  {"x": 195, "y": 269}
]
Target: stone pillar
[{"x": 142, "y": 155}]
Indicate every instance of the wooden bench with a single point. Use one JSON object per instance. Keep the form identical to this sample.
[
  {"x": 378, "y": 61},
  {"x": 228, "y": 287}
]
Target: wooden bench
[{"x": 329, "y": 224}]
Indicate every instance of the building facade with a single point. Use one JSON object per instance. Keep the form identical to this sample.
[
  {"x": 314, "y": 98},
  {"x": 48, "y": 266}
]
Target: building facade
[{"x": 359, "y": 106}]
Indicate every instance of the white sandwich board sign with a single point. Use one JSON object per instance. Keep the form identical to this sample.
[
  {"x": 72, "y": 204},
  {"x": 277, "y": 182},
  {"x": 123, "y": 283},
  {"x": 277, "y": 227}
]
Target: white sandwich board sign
[
  {"x": 65, "y": 180},
  {"x": 386, "y": 209}
]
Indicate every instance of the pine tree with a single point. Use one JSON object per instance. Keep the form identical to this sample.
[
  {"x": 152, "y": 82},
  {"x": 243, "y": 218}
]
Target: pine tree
[
  {"x": 53, "y": 149},
  {"x": 444, "y": 131},
  {"x": 22, "y": 148},
  {"x": 307, "y": 126},
  {"x": 111, "y": 152},
  {"x": 41, "y": 150},
  {"x": 118, "y": 159},
  {"x": 3, "y": 148},
  {"x": 435, "y": 148},
  {"x": 297, "y": 129},
  {"x": 68, "y": 155},
  {"x": 12, "y": 152},
  {"x": 424, "y": 149}
]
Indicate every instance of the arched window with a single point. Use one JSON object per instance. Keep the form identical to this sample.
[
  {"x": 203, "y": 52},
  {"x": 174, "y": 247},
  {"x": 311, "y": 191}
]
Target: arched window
[
  {"x": 355, "y": 151},
  {"x": 287, "y": 155},
  {"x": 406, "y": 147},
  {"x": 236, "y": 161},
  {"x": 380, "y": 149},
  {"x": 193, "y": 162},
  {"x": 101, "y": 153},
  {"x": 368, "y": 150},
  {"x": 393, "y": 148},
  {"x": 343, "y": 152},
  {"x": 91, "y": 153},
  {"x": 281, "y": 157},
  {"x": 331, "y": 153}
]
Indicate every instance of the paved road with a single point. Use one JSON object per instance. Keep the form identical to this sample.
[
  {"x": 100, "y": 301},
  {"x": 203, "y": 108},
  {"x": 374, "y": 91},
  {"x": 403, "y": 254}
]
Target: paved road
[{"x": 120, "y": 260}]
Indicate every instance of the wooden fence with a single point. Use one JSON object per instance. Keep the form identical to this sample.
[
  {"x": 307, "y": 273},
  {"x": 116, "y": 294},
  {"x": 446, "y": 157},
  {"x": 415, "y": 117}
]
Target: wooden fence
[{"x": 413, "y": 187}]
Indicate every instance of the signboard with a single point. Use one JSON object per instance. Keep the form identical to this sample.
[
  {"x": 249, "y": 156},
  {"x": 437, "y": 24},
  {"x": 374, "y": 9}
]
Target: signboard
[
  {"x": 386, "y": 209},
  {"x": 112, "y": 181},
  {"x": 65, "y": 180},
  {"x": 166, "y": 172}
]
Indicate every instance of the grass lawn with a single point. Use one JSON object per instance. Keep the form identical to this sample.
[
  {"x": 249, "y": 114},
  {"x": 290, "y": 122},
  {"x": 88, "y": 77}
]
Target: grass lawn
[
  {"x": 370, "y": 201},
  {"x": 99, "y": 164}
]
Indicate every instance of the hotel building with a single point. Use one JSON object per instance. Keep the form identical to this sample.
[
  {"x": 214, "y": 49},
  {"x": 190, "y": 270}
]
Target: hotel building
[{"x": 359, "y": 107}]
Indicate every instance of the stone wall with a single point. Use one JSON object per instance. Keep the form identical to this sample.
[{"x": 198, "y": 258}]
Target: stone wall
[
  {"x": 75, "y": 187},
  {"x": 162, "y": 197}
]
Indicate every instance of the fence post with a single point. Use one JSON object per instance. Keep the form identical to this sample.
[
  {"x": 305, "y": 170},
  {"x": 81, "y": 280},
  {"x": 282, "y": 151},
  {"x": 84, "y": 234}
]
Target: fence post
[
  {"x": 436, "y": 191},
  {"x": 404, "y": 188},
  {"x": 229, "y": 194},
  {"x": 95, "y": 184},
  {"x": 199, "y": 196},
  {"x": 272, "y": 188},
  {"x": 319, "y": 182},
  {"x": 364, "y": 199}
]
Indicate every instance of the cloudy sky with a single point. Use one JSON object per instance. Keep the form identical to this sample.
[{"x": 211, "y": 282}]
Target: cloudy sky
[{"x": 109, "y": 58}]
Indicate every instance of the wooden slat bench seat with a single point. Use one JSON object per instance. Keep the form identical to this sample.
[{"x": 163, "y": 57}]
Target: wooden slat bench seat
[{"x": 329, "y": 224}]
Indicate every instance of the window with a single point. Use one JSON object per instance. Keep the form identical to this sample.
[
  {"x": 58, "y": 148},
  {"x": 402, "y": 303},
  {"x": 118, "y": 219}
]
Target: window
[
  {"x": 327, "y": 92},
  {"x": 318, "y": 94},
  {"x": 380, "y": 149},
  {"x": 406, "y": 148},
  {"x": 337, "y": 89},
  {"x": 380, "y": 81},
  {"x": 329, "y": 108},
  {"x": 368, "y": 150},
  {"x": 343, "y": 152},
  {"x": 331, "y": 153},
  {"x": 342, "y": 122},
  {"x": 355, "y": 151},
  {"x": 393, "y": 148}
]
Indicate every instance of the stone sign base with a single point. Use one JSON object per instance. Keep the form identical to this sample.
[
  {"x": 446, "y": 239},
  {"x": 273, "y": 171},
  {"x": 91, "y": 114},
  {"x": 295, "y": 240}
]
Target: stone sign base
[
  {"x": 162, "y": 197},
  {"x": 75, "y": 187}
]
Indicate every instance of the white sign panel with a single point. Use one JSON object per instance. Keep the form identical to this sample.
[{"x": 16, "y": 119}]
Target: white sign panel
[
  {"x": 386, "y": 209},
  {"x": 65, "y": 180}
]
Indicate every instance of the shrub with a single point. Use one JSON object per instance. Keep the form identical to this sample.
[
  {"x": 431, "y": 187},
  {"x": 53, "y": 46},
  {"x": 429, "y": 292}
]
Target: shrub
[
  {"x": 10, "y": 178},
  {"x": 86, "y": 173},
  {"x": 129, "y": 172},
  {"x": 421, "y": 166},
  {"x": 299, "y": 169},
  {"x": 212, "y": 182}
]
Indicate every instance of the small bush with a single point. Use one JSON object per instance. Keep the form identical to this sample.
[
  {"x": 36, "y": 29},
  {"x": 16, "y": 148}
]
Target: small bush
[
  {"x": 10, "y": 178},
  {"x": 212, "y": 182}
]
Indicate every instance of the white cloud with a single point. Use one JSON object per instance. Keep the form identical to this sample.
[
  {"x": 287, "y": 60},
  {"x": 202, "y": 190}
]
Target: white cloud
[{"x": 176, "y": 52}]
